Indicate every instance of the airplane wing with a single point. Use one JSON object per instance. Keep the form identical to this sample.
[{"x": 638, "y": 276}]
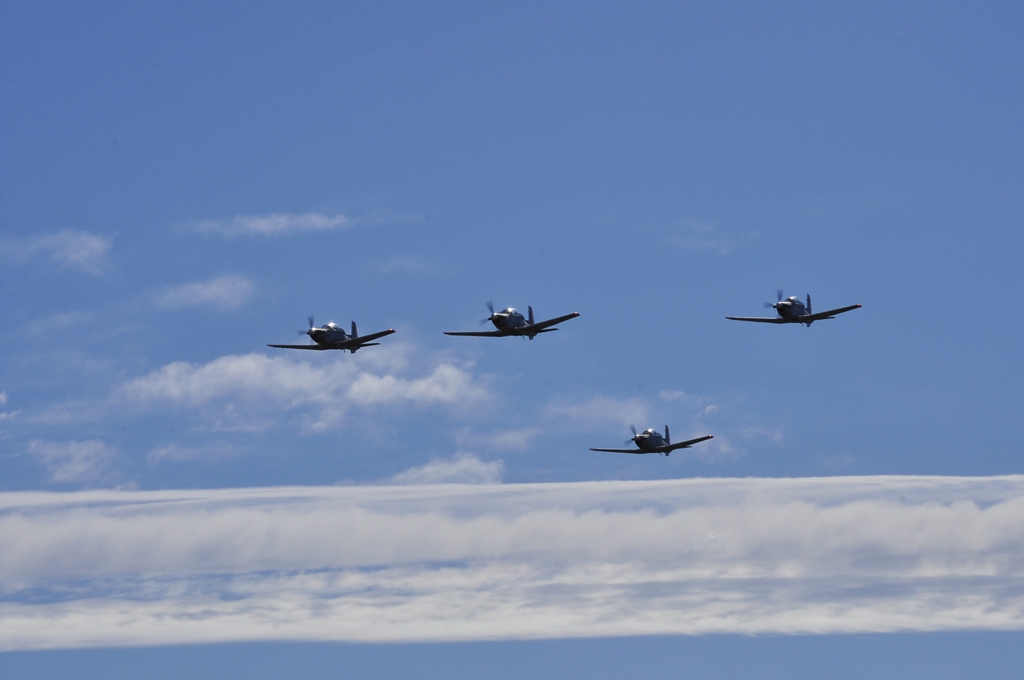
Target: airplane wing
[
  {"x": 623, "y": 450},
  {"x": 478, "y": 334},
  {"x": 827, "y": 315},
  {"x": 365, "y": 339},
  {"x": 686, "y": 444},
  {"x": 316, "y": 347},
  {"x": 549, "y": 322},
  {"x": 758, "y": 319}
]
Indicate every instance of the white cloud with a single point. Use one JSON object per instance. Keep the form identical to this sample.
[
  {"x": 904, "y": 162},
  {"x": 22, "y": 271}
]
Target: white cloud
[
  {"x": 223, "y": 292},
  {"x": 3, "y": 398},
  {"x": 73, "y": 461},
  {"x": 402, "y": 563},
  {"x": 273, "y": 224},
  {"x": 76, "y": 249},
  {"x": 250, "y": 391},
  {"x": 463, "y": 468}
]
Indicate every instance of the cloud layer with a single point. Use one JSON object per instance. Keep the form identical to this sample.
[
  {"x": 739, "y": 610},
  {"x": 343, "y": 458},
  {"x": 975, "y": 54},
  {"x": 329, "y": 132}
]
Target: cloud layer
[{"x": 462, "y": 562}]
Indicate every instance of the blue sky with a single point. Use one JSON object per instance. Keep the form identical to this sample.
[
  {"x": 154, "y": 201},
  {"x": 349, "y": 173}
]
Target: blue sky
[{"x": 182, "y": 184}]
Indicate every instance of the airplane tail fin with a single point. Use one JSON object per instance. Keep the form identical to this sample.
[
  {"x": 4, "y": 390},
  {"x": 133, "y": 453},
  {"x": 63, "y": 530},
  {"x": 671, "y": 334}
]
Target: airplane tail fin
[
  {"x": 809, "y": 303},
  {"x": 667, "y": 440},
  {"x": 529, "y": 311},
  {"x": 355, "y": 331}
]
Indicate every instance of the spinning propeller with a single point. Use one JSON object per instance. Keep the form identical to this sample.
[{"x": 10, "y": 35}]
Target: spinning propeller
[
  {"x": 778, "y": 297},
  {"x": 632, "y": 428},
  {"x": 306, "y": 332},
  {"x": 490, "y": 306}
]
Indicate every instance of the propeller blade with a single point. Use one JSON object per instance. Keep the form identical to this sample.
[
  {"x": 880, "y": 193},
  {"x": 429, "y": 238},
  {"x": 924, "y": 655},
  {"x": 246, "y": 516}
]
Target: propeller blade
[
  {"x": 632, "y": 428},
  {"x": 778, "y": 294},
  {"x": 768, "y": 305},
  {"x": 310, "y": 321},
  {"x": 490, "y": 306}
]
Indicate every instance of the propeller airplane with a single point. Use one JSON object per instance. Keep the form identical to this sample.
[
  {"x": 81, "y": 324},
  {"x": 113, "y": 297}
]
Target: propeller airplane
[
  {"x": 792, "y": 310},
  {"x": 651, "y": 441},
  {"x": 332, "y": 336},
  {"x": 512, "y": 322}
]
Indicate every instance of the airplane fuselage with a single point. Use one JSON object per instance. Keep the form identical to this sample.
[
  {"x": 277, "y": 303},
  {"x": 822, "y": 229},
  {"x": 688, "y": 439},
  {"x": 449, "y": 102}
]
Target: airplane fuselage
[
  {"x": 648, "y": 440},
  {"x": 328, "y": 334},
  {"x": 508, "y": 319},
  {"x": 791, "y": 309}
]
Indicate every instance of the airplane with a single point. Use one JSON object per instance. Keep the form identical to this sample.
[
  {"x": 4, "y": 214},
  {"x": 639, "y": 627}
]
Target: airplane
[
  {"x": 511, "y": 322},
  {"x": 792, "y": 310},
  {"x": 331, "y": 336},
  {"x": 651, "y": 441}
]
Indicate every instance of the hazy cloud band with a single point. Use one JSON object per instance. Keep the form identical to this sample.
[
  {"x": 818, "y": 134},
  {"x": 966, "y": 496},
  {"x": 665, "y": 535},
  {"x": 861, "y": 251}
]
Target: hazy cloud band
[{"x": 461, "y": 562}]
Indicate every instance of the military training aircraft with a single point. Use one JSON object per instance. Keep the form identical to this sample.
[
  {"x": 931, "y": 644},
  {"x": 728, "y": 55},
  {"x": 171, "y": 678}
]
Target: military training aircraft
[
  {"x": 331, "y": 336},
  {"x": 651, "y": 441},
  {"x": 511, "y": 322},
  {"x": 792, "y": 310}
]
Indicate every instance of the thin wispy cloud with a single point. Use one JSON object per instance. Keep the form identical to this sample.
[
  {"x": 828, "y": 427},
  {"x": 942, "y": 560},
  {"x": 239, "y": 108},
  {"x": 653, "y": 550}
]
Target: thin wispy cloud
[
  {"x": 222, "y": 292},
  {"x": 273, "y": 224},
  {"x": 79, "y": 250},
  {"x": 61, "y": 320},
  {"x": 499, "y": 440},
  {"x": 73, "y": 462},
  {"x": 403, "y": 264},
  {"x": 464, "y": 468},
  {"x": 175, "y": 452},
  {"x": 6, "y": 415},
  {"x": 253, "y": 391},
  {"x": 443, "y": 563},
  {"x": 598, "y": 411},
  {"x": 705, "y": 236}
]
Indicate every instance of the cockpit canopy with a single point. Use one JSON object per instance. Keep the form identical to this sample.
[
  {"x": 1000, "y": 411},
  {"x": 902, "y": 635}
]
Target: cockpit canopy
[{"x": 512, "y": 311}]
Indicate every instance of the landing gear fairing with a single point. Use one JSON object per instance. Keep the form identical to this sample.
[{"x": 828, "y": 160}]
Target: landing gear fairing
[
  {"x": 511, "y": 321},
  {"x": 332, "y": 336},
  {"x": 792, "y": 310},
  {"x": 651, "y": 441}
]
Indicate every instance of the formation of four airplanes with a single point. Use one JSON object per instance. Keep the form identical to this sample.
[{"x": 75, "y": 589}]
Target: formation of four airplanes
[{"x": 511, "y": 322}]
